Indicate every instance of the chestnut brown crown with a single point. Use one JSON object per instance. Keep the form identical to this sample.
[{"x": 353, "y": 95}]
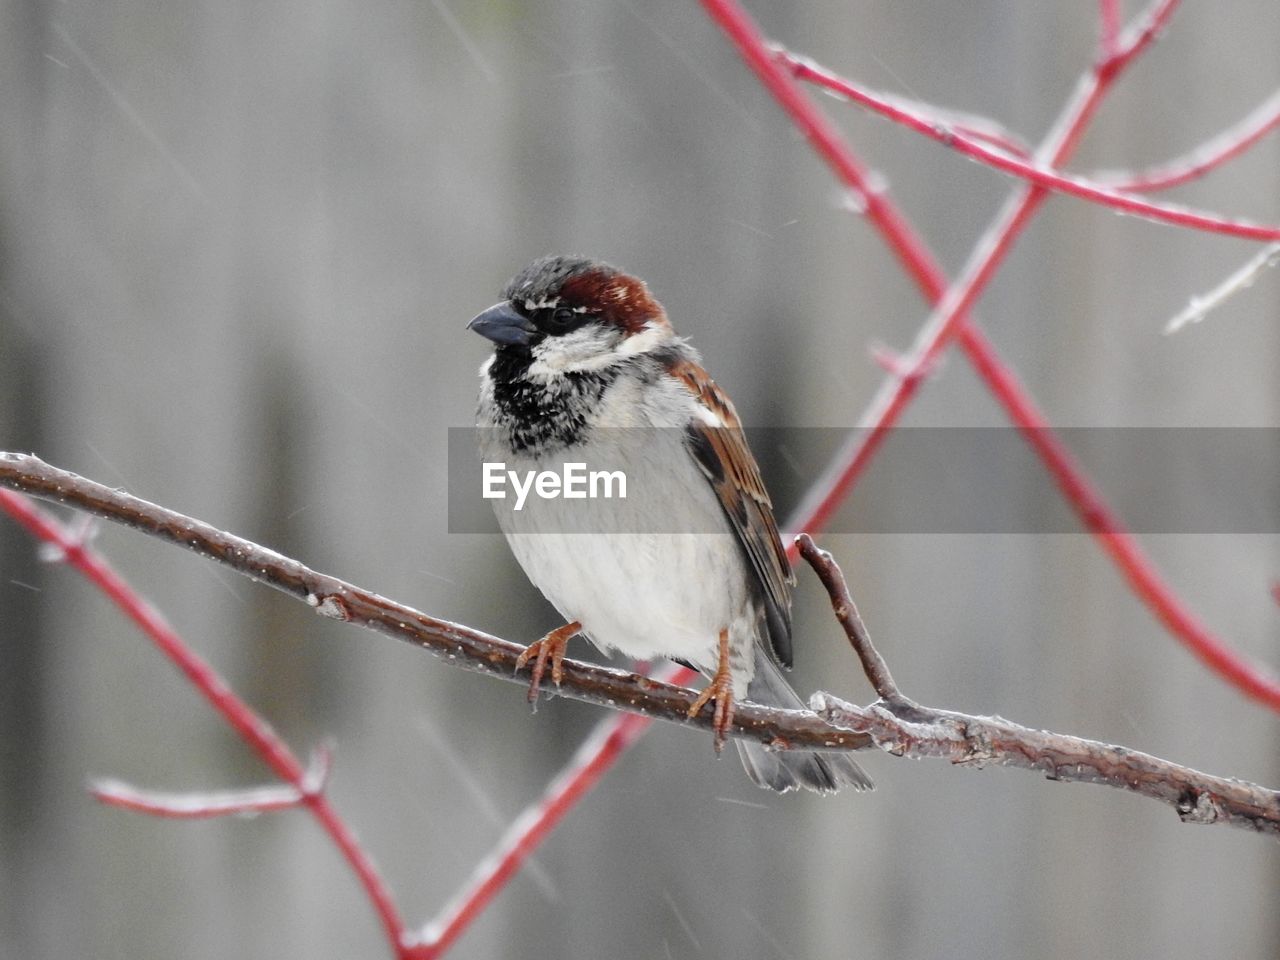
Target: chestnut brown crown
[{"x": 558, "y": 294}]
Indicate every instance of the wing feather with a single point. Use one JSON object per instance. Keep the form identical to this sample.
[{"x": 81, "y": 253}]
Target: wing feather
[{"x": 722, "y": 453}]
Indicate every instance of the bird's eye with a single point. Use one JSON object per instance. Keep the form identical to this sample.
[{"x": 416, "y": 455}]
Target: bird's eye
[{"x": 562, "y": 318}]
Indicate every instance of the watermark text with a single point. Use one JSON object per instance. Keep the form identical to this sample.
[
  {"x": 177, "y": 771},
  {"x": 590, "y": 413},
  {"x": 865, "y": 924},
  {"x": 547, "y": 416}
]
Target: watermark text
[{"x": 573, "y": 482}]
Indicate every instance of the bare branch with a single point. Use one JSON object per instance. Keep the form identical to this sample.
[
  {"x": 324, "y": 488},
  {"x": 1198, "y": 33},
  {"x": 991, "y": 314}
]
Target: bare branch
[
  {"x": 905, "y": 728},
  {"x": 832, "y": 577},
  {"x": 467, "y": 647},
  {"x": 220, "y": 803},
  {"x": 910, "y": 730},
  {"x": 894, "y": 723},
  {"x": 1041, "y": 175},
  {"x": 951, "y": 321},
  {"x": 1225, "y": 146},
  {"x": 1200, "y": 307},
  {"x": 73, "y": 549}
]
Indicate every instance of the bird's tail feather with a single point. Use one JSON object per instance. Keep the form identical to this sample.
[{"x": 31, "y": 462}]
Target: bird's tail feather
[{"x": 784, "y": 770}]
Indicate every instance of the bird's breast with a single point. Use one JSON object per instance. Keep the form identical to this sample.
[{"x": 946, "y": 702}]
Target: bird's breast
[{"x": 654, "y": 571}]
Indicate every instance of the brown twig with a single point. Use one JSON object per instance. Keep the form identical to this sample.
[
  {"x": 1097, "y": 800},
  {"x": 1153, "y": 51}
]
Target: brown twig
[
  {"x": 468, "y": 648},
  {"x": 894, "y": 723},
  {"x": 918, "y": 732},
  {"x": 832, "y": 577},
  {"x": 905, "y": 728}
]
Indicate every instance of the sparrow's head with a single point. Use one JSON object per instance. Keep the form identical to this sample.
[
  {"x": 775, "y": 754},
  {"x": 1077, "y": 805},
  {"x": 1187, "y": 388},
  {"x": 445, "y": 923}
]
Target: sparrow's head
[{"x": 566, "y": 314}]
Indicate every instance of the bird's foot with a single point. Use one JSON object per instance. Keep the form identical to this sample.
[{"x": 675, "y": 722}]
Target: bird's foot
[
  {"x": 551, "y": 647},
  {"x": 720, "y": 690}
]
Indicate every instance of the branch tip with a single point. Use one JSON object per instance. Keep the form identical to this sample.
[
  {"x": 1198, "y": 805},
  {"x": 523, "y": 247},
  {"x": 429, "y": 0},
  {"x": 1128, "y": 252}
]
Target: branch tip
[{"x": 846, "y": 613}]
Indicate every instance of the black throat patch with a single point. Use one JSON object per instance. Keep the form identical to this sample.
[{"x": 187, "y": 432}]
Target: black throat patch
[{"x": 538, "y": 415}]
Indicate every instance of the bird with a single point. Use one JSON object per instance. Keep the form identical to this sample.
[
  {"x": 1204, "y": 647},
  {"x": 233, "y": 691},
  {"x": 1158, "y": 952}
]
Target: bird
[{"x": 587, "y": 369}]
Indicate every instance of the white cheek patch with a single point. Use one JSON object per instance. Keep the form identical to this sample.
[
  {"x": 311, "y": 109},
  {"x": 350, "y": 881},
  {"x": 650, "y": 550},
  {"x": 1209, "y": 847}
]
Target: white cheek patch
[
  {"x": 651, "y": 335},
  {"x": 588, "y": 348}
]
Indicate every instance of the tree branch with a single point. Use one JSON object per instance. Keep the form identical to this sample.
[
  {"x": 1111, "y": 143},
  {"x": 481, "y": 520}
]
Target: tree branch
[
  {"x": 964, "y": 143},
  {"x": 894, "y": 723},
  {"x": 909, "y": 730},
  {"x": 62, "y": 545},
  {"x": 468, "y": 648},
  {"x": 271, "y": 798},
  {"x": 1210, "y": 155},
  {"x": 904, "y": 728},
  {"x": 951, "y": 320}
]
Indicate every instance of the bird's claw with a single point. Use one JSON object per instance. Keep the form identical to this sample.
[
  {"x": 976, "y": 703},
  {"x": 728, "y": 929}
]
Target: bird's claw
[
  {"x": 719, "y": 690},
  {"x": 551, "y": 647}
]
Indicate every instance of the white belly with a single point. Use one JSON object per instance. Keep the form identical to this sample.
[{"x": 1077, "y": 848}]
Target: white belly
[{"x": 659, "y": 573}]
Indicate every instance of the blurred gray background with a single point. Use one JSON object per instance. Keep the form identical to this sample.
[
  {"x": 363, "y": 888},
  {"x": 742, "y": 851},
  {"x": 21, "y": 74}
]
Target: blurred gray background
[{"x": 238, "y": 244}]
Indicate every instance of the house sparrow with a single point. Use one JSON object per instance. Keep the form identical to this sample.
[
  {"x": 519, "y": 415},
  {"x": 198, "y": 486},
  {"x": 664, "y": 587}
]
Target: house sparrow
[{"x": 587, "y": 368}]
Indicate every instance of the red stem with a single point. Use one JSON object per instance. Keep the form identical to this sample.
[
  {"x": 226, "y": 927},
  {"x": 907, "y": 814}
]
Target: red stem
[
  {"x": 597, "y": 754},
  {"x": 196, "y": 806},
  {"x": 253, "y": 730},
  {"x": 951, "y": 319},
  {"x": 1108, "y": 27},
  {"x": 1210, "y": 155},
  {"x": 954, "y": 138},
  {"x": 1110, "y": 531}
]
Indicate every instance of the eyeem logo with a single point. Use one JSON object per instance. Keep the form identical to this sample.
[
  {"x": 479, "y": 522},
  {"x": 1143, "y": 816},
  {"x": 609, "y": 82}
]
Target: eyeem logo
[{"x": 574, "y": 482}]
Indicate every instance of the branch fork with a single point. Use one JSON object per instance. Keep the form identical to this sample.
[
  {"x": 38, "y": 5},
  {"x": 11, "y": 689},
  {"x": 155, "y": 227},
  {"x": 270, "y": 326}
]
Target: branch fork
[{"x": 904, "y": 728}]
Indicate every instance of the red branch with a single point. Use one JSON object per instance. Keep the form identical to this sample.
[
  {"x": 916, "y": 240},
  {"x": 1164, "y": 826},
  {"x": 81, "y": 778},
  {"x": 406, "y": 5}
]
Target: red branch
[
  {"x": 252, "y": 729},
  {"x": 617, "y": 734},
  {"x": 611, "y": 738},
  {"x": 1227, "y": 145},
  {"x": 196, "y": 806},
  {"x": 204, "y": 806},
  {"x": 951, "y": 320},
  {"x": 1110, "y": 531},
  {"x": 1108, "y": 27},
  {"x": 957, "y": 140}
]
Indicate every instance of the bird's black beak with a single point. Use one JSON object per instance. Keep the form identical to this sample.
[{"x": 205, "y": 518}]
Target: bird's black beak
[{"x": 504, "y": 325}]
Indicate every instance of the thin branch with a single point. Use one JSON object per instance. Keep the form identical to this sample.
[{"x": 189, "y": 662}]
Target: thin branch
[
  {"x": 270, "y": 798},
  {"x": 974, "y": 126},
  {"x": 901, "y": 238},
  {"x": 1040, "y": 175},
  {"x": 1210, "y": 155},
  {"x": 1140, "y": 34},
  {"x": 1110, "y": 532},
  {"x": 904, "y": 728},
  {"x": 846, "y": 611},
  {"x": 1201, "y": 307},
  {"x": 1108, "y": 28},
  {"x": 466, "y": 647},
  {"x": 821, "y": 134},
  {"x": 883, "y": 724},
  {"x": 611, "y": 738},
  {"x": 252, "y": 729},
  {"x": 910, "y": 730},
  {"x": 951, "y": 320},
  {"x": 195, "y": 806}
]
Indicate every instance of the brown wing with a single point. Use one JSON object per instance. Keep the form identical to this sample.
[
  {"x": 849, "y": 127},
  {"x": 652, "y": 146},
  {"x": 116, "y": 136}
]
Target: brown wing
[{"x": 725, "y": 459}]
